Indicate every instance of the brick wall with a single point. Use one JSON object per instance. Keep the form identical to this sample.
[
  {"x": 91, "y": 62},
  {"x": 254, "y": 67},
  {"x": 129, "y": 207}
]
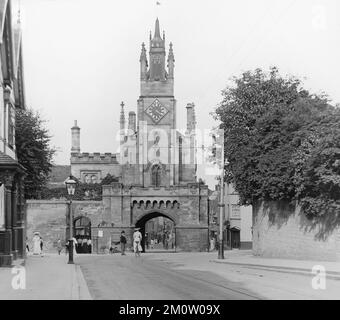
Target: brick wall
[{"x": 284, "y": 232}]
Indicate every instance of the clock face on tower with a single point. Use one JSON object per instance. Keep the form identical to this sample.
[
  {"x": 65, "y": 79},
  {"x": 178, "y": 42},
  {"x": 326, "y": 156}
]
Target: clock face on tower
[{"x": 156, "y": 111}]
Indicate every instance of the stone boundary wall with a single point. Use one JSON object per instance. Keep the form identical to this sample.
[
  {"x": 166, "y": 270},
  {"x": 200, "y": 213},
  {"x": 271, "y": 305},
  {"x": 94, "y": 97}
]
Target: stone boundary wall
[
  {"x": 281, "y": 231},
  {"x": 49, "y": 218}
]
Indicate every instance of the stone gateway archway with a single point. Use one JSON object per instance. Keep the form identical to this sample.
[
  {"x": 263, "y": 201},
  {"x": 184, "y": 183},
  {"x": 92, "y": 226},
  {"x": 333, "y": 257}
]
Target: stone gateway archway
[
  {"x": 141, "y": 223},
  {"x": 187, "y": 206}
]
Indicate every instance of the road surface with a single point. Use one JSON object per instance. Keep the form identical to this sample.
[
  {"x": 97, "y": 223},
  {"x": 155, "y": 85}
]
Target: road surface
[{"x": 127, "y": 277}]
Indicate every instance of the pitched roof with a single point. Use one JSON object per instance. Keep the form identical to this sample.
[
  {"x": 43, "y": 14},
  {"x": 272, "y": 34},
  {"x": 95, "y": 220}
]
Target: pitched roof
[{"x": 7, "y": 160}]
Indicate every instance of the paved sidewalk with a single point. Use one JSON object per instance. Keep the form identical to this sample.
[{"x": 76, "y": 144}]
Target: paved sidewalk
[
  {"x": 246, "y": 258},
  {"x": 47, "y": 277}
]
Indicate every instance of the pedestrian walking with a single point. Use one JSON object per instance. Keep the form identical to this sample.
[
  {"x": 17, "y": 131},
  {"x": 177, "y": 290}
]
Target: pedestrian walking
[
  {"x": 79, "y": 243},
  {"x": 212, "y": 243},
  {"x": 146, "y": 240},
  {"x": 122, "y": 242},
  {"x": 137, "y": 239},
  {"x": 67, "y": 246},
  {"x": 89, "y": 246},
  {"x": 84, "y": 246},
  {"x": 59, "y": 246},
  {"x": 41, "y": 245},
  {"x": 27, "y": 246},
  {"x": 36, "y": 244}
]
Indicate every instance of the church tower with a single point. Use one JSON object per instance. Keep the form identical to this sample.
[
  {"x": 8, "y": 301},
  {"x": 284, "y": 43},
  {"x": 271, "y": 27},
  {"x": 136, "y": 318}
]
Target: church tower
[{"x": 157, "y": 113}]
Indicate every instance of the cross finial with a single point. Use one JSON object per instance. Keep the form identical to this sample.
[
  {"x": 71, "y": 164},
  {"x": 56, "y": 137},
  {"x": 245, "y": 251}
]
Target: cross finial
[{"x": 122, "y": 104}]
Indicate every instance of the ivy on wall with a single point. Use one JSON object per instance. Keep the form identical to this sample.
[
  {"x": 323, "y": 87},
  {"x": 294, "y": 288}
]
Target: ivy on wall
[{"x": 84, "y": 191}]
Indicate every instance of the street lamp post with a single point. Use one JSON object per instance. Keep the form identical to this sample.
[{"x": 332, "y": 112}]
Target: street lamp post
[
  {"x": 221, "y": 205},
  {"x": 71, "y": 187}
]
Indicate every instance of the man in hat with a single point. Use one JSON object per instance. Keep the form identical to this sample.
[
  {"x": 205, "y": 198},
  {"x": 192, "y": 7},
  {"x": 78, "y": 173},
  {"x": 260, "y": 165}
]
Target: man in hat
[{"x": 137, "y": 239}]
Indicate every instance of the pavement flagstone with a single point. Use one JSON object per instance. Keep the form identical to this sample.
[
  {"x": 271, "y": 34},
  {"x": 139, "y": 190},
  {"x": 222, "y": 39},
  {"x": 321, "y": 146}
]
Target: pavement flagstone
[{"x": 47, "y": 277}]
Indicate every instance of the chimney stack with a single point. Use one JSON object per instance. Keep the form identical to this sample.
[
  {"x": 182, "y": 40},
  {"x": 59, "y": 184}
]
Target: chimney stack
[{"x": 75, "y": 138}]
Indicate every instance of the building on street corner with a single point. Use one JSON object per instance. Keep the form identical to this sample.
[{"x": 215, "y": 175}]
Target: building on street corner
[
  {"x": 239, "y": 228},
  {"x": 238, "y": 221},
  {"x": 12, "y": 203}
]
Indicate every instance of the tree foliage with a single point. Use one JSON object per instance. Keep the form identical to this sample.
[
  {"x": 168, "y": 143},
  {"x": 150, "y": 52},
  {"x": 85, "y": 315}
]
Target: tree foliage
[
  {"x": 33, "y": 150},
  {"x": 282, "y": 142}
]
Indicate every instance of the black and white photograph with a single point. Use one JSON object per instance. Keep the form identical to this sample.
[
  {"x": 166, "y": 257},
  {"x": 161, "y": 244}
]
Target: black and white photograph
[{"x": 169, "y": 151}]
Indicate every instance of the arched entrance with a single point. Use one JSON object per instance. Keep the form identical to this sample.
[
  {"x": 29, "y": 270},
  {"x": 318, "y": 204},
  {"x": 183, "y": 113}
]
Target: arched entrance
[
  {"x": 82, "y": 233},
  {"x": 159, "y": 232}
]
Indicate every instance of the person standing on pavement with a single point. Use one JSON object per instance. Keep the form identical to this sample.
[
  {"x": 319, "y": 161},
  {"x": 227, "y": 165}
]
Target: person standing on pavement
[
  {"x": 89, "y": 246},
  {"x": 59, "y": 246},
  {"x": 41, "y": 245},
  {"x": 122, "y": 242},
  {"x": 36, "y": 244},
  {"x": 27, "y": 246}
]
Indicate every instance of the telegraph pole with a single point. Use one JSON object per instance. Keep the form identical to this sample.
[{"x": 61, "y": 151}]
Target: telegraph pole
[{"x": 221, "y": 205}]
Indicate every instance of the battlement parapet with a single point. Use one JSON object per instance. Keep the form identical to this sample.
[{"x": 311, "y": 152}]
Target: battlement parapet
[
  {"x": 95, "y": 157},
  {"x": 191, "y": 189}
]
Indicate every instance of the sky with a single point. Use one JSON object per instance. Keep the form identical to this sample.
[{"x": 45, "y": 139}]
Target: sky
[{"x": 81, "y": 57}]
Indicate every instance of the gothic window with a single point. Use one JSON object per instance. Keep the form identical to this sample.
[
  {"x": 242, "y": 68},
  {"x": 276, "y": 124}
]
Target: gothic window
[{"x": 156, "y": 175}]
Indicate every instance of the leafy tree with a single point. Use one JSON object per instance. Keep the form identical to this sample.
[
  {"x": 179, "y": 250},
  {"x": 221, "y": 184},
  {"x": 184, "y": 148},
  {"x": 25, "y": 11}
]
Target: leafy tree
[
  {"x": 33, "y": 150},
  {"x": 318, "y": 168},
  {"x": 273, "y": 134}
]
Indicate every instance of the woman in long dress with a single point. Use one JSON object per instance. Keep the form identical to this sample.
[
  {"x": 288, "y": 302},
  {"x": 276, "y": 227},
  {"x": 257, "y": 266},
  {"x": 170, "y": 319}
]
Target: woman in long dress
[
  {"x": 36, "y": 244},
  {"x": 74, "y": 246}
]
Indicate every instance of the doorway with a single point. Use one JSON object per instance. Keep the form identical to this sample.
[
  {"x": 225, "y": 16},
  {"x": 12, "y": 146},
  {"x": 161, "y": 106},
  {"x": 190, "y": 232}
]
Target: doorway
[
  {"x": 82, "y": 233},
  {"x": 235, "y": 238}
]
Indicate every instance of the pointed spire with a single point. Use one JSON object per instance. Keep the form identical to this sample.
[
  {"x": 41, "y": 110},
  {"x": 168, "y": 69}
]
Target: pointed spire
[
  {"x": 143, "y": 53},
  {"x": 157, "y": 32},
  {"x": 171, "y": 60},
  {"x": 171, "y": 52}
]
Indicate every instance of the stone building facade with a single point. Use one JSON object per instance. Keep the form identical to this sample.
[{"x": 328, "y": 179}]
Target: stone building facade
[
  {"x": 239, "y": 229},
  {"x": 156, "y": 166},
  {"x": 12, "y": 203}
]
